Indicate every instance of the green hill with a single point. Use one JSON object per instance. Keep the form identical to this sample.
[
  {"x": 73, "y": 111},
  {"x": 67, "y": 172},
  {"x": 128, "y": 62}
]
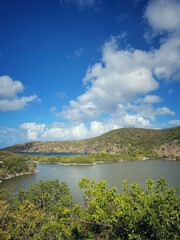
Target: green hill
[{"x": 164, "y": 142}]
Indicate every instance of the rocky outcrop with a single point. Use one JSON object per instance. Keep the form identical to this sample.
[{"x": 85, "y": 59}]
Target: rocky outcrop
[{"x": 169, "y": 150}]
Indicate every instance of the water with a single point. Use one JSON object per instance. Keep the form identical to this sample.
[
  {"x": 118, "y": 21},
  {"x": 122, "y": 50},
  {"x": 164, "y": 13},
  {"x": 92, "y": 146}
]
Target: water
[{"x": 112, "y": 173}]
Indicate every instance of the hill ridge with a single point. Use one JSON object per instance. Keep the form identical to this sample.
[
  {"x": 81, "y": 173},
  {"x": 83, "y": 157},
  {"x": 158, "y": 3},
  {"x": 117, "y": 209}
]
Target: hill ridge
[{"x": 164, "y": 142}]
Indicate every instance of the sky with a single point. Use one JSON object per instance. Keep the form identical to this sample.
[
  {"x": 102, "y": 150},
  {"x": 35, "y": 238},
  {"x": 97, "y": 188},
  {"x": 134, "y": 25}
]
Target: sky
[{"x": 75, "y": 69}]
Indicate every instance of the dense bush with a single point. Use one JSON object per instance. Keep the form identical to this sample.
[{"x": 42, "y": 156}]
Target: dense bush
[
  {"x": 12, "y": 164},
  {"x": 45, "y": 211}
]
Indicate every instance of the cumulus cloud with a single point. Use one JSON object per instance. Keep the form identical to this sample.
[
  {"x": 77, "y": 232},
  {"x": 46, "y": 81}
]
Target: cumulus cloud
[
  {"x": 9, "y": 100},
  {"x": 165, "y": 61},
  {"x": 147, "y": 111},
  {"x": 151, "y": 99},
  {"x": 174, "y": 122},
  {"x": 121, "y": 77},
  {"x": 16, "y": 103},
  {"x": 66, "y": 132},
  {"x": 164, "y": 111},
  {"x": 53, "y": 110},
  {"x": 34, "y": 130},
  {"x": 57, "y": 131},
  {"x": 9, "y": 88},
  {"x": 61, "y": 131},
  {"x": 163, "y": 15}
]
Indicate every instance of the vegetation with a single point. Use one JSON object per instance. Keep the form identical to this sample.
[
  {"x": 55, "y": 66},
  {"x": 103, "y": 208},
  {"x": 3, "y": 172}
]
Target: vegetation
[
  {"x": 45, "y": 211},
  {"x": 90, "y": 159},
  {"x": 13, "y": 164},
  {"x": 164, "y": 142}
]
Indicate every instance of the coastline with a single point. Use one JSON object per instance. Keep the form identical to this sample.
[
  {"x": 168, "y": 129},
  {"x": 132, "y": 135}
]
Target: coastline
[
  {"x": 78, "y": 164},
  {"x": 100, "y": 162},
  {"x": 86, "y": 164},
  {"x": 18, "y": 174}
]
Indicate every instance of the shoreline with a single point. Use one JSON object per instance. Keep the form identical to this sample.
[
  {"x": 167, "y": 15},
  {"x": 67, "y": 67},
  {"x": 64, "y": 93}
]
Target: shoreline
[
  {"x": 87, "y": 164},
  {"x": 101, "y": 162},
  {"x": 79, "y": 164},
  {"x": 18, "y": 174}
]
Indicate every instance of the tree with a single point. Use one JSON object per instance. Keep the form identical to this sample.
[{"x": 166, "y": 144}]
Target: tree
[
  {"x": 45, "y": 212},
  {"x": 152, "y": 213},
  {"x": 22, "y": 223},
  {"x": 48, "y": 195}
]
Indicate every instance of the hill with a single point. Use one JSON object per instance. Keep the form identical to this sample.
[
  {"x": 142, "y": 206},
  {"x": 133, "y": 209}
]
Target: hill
[{"x": 162, "y": 142}]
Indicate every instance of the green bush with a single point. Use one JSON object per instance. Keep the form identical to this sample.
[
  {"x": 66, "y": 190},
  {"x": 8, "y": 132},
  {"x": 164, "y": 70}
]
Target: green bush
[{"x": 45, "y": 211}]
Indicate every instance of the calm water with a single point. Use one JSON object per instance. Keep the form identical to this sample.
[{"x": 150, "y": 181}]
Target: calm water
[{"x": 112, "y": 173}]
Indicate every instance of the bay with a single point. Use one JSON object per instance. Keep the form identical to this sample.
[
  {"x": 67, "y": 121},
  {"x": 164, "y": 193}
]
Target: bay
[{"x": 112, "y": 173}]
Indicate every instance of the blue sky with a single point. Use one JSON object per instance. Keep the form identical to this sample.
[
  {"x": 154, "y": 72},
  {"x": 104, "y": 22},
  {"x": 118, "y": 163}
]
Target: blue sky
[{"x": 73, "y": 69}]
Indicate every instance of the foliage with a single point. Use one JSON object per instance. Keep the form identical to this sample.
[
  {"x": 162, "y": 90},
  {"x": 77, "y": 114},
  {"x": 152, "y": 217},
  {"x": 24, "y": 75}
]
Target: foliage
[
  {"x": 32, "y": 213},
  {"x": 12, "y": 164},
  {"x": 45, "y": 212},
  {"x": 93, "y": 158},
  {"x": 22, "y": 223},
  {"x": 47, "y": 196},
  {"x": 152, "y": 213}
]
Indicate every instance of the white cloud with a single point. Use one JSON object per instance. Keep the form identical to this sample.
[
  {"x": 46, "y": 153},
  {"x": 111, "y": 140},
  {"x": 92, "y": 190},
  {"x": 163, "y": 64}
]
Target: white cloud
[
  {"x": 6, "y": 130},
  {"x": 174, "y": 122},
  {"x": 151, "y": 99},
  {"x": 34, "y": 130},
  {"x": 118, "y": 79},
  {"x": 163, "y": 15},
  {"x": 9, "y": 88},
  {"x": 147, "y": 110},
  {"x": 9, "y": 100},
  {"x": 165, "y": 61},
  {"x": 61, "y": 131},
  {"x": 66, "y": 132},
  {"x": 128, "y": 76},
  {"x": 164, "y": 111},
  {"x": 121, "y": 77},
  {"x": 135, "y": 121},
  {"x": 16, "y": 103},
  {"x": 120, "y": 85},
  {"x": 53, "y": 110}
]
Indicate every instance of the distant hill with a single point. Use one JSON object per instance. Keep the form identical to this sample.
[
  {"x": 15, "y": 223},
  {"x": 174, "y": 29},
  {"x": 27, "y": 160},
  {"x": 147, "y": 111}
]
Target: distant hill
[{"x": 164, "y": 142}]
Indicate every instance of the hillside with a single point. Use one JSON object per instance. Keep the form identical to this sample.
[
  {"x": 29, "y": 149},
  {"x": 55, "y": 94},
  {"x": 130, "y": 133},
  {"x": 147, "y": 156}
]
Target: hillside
[{"x": 164, "y": 142}]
